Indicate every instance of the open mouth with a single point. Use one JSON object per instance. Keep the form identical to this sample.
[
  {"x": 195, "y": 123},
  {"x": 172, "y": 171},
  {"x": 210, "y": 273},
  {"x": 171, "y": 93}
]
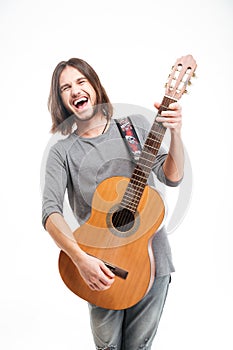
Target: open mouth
[{"x": 81, "y": 102}]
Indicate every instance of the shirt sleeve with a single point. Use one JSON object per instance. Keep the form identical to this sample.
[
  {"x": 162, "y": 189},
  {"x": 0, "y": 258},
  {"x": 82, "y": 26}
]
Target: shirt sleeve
[
  {"x": 158, "y": 169},
  {"x": 55, "y": 183}
]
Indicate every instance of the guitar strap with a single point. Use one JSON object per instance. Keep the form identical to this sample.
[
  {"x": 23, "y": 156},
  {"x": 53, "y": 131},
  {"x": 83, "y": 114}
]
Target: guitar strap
[{"x": 130, "y": 137}]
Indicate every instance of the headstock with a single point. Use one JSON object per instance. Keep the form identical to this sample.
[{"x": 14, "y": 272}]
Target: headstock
[{"x": 180, "y": 76}]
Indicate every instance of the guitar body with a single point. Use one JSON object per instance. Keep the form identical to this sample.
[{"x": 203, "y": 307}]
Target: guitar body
[{"x": 126, "y": 250}]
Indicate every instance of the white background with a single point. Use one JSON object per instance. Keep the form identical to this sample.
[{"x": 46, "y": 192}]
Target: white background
[{"x": 131, "y": 45}]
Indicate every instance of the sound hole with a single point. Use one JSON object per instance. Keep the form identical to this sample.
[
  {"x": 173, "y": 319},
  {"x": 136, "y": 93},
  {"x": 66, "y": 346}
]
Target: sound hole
[{"x": 123, "y": 220}]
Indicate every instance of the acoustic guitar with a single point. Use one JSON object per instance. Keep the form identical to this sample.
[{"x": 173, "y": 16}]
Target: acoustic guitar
[{"x": 126, "y": 213}]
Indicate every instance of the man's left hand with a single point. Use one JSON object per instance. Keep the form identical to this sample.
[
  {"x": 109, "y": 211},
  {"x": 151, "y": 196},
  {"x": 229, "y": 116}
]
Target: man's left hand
[{"x": 172, "y": 118}]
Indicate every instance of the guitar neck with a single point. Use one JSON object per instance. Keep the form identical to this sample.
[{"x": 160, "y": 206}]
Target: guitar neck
[{"x": 146, "y": 161}]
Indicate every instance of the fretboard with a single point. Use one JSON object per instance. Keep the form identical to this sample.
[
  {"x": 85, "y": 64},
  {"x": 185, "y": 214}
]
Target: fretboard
[{"x": 146, "y": 161}]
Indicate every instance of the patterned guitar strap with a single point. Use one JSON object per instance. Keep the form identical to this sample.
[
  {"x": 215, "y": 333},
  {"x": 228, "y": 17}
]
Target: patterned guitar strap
[{"x": 130, "y": 137}]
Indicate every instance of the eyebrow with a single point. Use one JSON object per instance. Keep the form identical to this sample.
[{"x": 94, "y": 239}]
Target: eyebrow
[{"x": 77, "y": 80}]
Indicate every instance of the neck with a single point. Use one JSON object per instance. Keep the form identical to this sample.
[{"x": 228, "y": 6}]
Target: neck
[{"x": 92, "y": 127}]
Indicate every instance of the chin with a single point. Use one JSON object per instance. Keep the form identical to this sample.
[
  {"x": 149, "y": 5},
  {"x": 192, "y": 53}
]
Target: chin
[{"x": 87, "y": 114}]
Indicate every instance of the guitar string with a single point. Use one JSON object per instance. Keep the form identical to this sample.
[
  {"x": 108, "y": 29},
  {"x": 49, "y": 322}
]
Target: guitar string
[
  {"x": 134, "y": 193},
  {"x": 154, "y": 144},
  {"x": 134, "y": 190},
  {"x": 135, "y": 196}
]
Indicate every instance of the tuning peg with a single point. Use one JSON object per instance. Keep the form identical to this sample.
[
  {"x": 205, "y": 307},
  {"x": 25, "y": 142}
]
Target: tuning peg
[{"x": 189, "y": 82}]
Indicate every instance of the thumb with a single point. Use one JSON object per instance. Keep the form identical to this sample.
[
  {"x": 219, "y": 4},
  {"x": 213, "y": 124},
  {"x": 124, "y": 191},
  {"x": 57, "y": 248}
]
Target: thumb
[{"x": 106, "y": 270}]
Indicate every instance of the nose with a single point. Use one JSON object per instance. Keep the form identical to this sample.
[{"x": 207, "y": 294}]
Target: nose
[{"x": 75, "y": 90}]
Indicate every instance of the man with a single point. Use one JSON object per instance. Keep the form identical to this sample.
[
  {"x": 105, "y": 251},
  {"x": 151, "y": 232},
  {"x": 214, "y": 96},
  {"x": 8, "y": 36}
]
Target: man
[{"x": 93, "y": 151}]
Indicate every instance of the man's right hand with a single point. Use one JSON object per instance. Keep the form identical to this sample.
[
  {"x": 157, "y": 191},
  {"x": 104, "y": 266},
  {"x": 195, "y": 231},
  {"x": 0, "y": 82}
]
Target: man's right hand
[{"x": 94, "y": 272}]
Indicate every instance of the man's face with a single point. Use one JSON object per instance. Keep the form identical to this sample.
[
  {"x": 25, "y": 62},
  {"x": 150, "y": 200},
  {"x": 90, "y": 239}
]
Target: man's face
[{"x": 77, "y": 93}]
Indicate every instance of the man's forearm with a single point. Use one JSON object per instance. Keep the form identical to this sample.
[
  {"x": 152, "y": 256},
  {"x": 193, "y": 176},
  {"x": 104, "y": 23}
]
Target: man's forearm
[
  {"x": 60, "y": 231},
  {"x": 173, "y": 166}
]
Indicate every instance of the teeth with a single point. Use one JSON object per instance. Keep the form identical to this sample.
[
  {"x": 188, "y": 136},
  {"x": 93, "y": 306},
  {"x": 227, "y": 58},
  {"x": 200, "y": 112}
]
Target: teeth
[{"x": 82, "y": 99}]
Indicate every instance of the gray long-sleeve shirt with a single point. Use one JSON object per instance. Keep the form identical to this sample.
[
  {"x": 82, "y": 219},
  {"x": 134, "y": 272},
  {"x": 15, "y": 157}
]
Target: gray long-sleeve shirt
[{"x": 79, "y": 164}]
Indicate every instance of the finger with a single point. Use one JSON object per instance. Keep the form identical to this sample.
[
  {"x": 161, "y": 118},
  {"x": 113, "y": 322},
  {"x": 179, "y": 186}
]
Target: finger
[
  {"x": 171, "y": 119},
  {"x": 157, "y": 105},
  {"x": 175, "y": 105},
  {"x": 170, "y": 125},
  {"x": 96, "y": 285},
  {"x": 91, "y": 286},
  {"x": 171, "y": 113},
  {"x": 99, "y": 285},
  {"x": 105, "y": 281},
  {"x": 107, "y": 271}
]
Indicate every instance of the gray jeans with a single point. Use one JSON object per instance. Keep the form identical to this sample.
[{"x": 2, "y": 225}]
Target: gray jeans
[{"x": 133, "y": 328}]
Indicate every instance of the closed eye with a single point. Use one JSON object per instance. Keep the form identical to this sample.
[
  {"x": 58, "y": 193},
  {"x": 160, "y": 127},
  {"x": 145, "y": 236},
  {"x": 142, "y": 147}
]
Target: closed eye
[
  {"x": 82, "y": 81},
  {"x": 64, "y": 88}
]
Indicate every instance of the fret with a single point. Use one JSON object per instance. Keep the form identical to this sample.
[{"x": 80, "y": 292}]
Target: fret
[
  {"x": 131, "y": 207},
  {"x": 153, "y": 148},
  {"x": 153, "y": 134},
  {"x": 128, "y": 206},
  {"x": 146, "y": 166},
  {"x": 154, "y": 138},
  {"x": 139, "y": 171},
  {"x": 127, "y": 202},
  {"x": 154, "y": 145},
  {"x": 143, "y": 170},
  {"x": 157, "y": 132},
  {"x": 137, "y": 179},
  {"x": 137, "y": 185},
  {"x": 148, "y": 162},
  {"x": 131, "y": 196},
  {"x": 156, "y": 129},
  {"x": 130, "y": 199},
  {"x": 139, "y": 176},
  {"x": 149, "y": 154},
  {"x": 131, "y": 203}
]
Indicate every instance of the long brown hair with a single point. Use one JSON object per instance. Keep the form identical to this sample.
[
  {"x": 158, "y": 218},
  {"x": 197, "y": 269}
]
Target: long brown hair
[{"x": 62, "y": 120}]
